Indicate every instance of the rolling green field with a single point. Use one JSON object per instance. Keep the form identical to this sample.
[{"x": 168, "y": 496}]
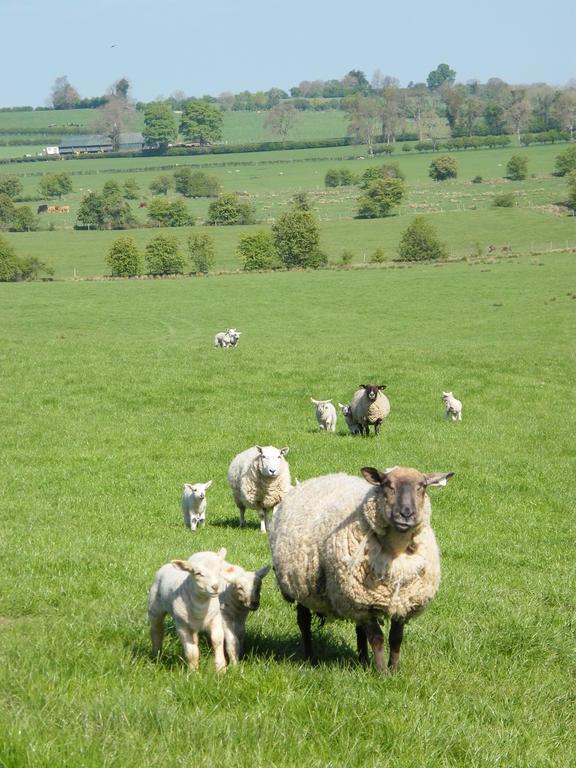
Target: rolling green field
[
  {"x": 462, "y": 212},
  {"x": 112, "y": 396}
]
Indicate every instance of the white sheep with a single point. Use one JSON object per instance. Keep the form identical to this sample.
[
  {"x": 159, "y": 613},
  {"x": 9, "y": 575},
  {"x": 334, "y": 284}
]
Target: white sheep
[
  {"x": 353, "y": 428},
  {"x": 453, "y": 406},
  {"x": 259, "y": 478},
  {"x": 345, "y": 548},
  {"x": 325, "y": 414},
  {"x": 239, "y": 594},
  {"x": 188, "y": 590},
  {"x": 369, "y": 406},
  {"x": 194, "y": 504},
  {"x": 228, "y": 338}
]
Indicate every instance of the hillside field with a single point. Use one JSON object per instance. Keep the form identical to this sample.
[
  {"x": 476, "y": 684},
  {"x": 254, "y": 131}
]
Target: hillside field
[
  {"x": 462, "y": 211},
  {"x": 112, "y": 396}
]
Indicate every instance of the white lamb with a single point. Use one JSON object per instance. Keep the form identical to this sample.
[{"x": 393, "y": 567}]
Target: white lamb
[
  {"x": 453, "y": 406},
  {"x": 325, "y": 414},
  {"x": 239, "y": 594},
  {"x": 228, "y": 338},
  {"x": 194, "y": 504},
  {"x": 188, "y": 590},
  {"x": 259, "y": 478},
  {"x": 353, "y": 428},
  {"x": 359, "y": 549}
]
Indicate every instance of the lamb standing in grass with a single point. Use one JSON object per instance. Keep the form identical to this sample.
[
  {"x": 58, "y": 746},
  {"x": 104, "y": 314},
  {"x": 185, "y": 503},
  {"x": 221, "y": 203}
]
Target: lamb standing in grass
[
  {"x": 259, "y": 478},
  {"x": 369, "y": 406},
  {"x": 345, "y": 548},
  {"x": 226, "y": 339},
  {"x": 194, "y": 504},
  {"x": 188, "y": 590},
  {"x": 325, "y": 414},
  {"x": 239, "y": 594},
  {"x": 353, "y": 428},
  {"x": 453, "y": 406}
]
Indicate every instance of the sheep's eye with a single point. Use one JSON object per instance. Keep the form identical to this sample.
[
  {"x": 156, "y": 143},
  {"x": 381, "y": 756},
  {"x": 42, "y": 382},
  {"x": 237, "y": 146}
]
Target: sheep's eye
[{"x": 240, "y": 590}]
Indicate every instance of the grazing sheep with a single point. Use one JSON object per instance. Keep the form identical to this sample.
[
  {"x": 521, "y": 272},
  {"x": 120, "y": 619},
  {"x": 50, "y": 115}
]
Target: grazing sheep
[
  {"x": 453, "y": 406},
  {"x": 353, "y": 428},
  {"x": 188, "y": 590},
  {"x": 227, "y": 339},
  {"x": 369, "y": 406},
  {"x": 194, "y": 504},
  {"x": 325, "y": 414},
  {"x": 349, "y": 549},
  {"x": 259, "y": 478},
  {"x": 239, "y": 594}
]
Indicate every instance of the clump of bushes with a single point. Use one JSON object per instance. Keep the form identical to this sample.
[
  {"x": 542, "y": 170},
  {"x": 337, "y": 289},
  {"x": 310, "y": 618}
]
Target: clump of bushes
[
  {"x": 443, "y": 167},
  {"x": 378, "y": 256},
  {"x": 339, "y": 177},
  {"x": 419, "y": 242},
  {"x": 504, "y": 200},
  {"x": 517, "y": 168}
]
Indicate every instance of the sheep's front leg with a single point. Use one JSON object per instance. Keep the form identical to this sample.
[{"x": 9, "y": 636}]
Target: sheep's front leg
[
  {"x": 305, "y": 624},
  {"x": 263, "y": 514},
  {"x": 377, "y": 427},
  {"x": 189, "y": 640},
  {"x": 217, "y": 640},
  {"x": 395, "y": 641},
  {"x": 362, "y": 646},
  {"x": 376, "y": 640},
  {"x": 242, "y": 510}
]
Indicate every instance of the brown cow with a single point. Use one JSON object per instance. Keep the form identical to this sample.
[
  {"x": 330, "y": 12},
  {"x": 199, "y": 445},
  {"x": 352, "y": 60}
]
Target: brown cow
[{"x": 63, "y": 209}]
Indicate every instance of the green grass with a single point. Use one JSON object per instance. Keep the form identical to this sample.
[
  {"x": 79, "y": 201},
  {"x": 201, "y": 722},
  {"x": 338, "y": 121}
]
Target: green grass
[{"x": 112, "y": 396}]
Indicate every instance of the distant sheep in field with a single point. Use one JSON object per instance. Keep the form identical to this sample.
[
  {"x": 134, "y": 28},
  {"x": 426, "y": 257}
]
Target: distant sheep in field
[
  {"x": 344, "y": 547},
  {"x": 194, "y": 504},
  {"x": 227, "y": 339},
  {"x": 453, "y": 406},
  {"x": 189, "y": 590},
  {"x": 259, "y": 479},
  {"x": 325, "y": 415},
  {"x": 353, "y": 428},
  {"x": 370, "y": 406},
  {"x": 239, "y": 594}
]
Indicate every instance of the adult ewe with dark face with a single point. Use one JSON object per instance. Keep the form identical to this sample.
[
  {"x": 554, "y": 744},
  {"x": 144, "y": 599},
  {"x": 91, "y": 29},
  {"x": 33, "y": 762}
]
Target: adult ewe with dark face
[{"x": 359, "y": 549}]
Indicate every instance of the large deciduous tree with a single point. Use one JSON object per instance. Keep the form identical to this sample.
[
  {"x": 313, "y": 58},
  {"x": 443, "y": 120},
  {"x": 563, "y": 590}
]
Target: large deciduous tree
[
  {"x": 380, "y": 197},
  {"x": 442, "y": 74},
  {"x": 201, "y": 122},
  {"x": 364, "y": 117},
  {"x": 281, "y": 119},
  {"x": 564, "y": 110},
  {"x": 297, "y": 238},
  {"x": 159, "y": 125},
  {"x": 419, "y": 242},
  {"x": 63, "y": 95},
  {"x": 124, "y": 258}
]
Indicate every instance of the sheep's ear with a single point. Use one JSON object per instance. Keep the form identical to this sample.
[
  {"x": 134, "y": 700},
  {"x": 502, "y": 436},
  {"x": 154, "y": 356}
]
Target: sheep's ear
[
  {"x": 208, "y": 484},
  {"x": 222, "y": 553},
  {"x": 259, "y": 449},
  {"x": 435, "y": 479},
  {"x": 284, "y": 451},
  {"x": 381, "y": 386},
  {"x": 263, "y": 571},
  {"x": 188, "y": 486},
  {"x": 362, "y": 386},
  {"x": 314, "y": 401},
  {"x": 183, "y": 565},
  {"x": 372, "y": 475}
]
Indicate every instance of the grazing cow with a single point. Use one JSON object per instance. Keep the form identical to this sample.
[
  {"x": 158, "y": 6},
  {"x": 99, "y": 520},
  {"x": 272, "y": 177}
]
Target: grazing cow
[
  {"x": 63, "y": 209},
  {"x": 51, "y": 209},
  {"x": 42, "y": 209}
]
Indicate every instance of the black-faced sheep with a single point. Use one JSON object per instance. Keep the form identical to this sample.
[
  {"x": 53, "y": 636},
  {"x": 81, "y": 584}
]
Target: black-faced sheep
[
  {"x": 370, "y": 406},
  {"x": 359, "y": 549}
]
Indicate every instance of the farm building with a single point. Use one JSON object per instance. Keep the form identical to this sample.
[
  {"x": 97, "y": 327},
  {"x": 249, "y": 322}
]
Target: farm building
[{"x": 93, "y": 143}]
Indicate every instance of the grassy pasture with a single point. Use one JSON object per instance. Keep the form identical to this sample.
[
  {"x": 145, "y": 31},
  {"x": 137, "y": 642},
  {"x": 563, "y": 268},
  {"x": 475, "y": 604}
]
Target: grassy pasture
[
  {"x": 113, "y": 397},
  {"x": 462, "y": 212}
]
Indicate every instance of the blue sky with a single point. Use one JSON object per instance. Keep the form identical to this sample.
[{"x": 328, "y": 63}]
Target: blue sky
[{"x": 212, "y": 47}]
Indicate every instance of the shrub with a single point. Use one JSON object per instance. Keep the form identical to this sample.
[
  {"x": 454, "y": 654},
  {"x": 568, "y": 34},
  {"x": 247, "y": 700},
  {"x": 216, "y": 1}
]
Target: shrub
[
  {"x": 124, "y": 258},
  {"x": 10, "y": 263},
  {"x": 161, "y": 184},
  {"x": 192, "y": 183},
  {"x": 388, "y": 170},
  {"x": 131, "y": 189},
  {"x": 229, "y": 209},
  {"x": 202, "y": 252},
  {"x": 10, "y": 185},
  {"x": 504, "y": 200},
  {"x": 517, "y": 167},
  {"x": 380, "y": 196},
  {"x": 378, "y": 256},
  {"x": 442, "y": 168},
  {"x": 420, "y": 243},
  {"x": 406, "y": 147},
  {"x": 572, "y": 190},
  {"x": 297, "y": 238},
  {"x": 257, "y": 251},
  {"x": 332, "y": 178},
  {"x": 346, "y": 257},
  {"x": 566, "y": 161},
  {"x": 163, "y": 256},
  {"x": 168, "y": 214},
  {"x": 477, "y": 180}
]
